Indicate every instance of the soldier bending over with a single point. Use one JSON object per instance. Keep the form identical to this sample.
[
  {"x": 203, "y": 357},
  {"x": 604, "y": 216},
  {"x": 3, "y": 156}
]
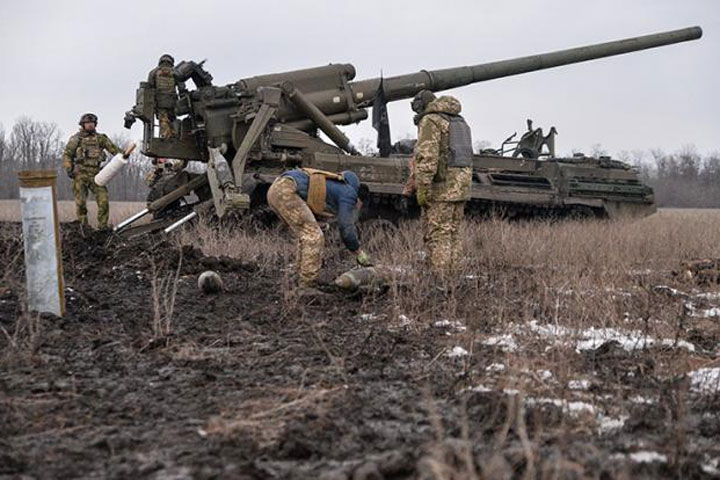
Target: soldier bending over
[{"x": 298, "y": 195}]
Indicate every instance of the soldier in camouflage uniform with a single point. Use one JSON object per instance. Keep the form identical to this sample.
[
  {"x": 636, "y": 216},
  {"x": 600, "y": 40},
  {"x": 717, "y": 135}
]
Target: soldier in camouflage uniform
[
  {"x": 162, "y": 79},
  {"x": 82, "y": 157},
  {"x": 443, "y": 176},
  {"x": 292, "y": 197}
]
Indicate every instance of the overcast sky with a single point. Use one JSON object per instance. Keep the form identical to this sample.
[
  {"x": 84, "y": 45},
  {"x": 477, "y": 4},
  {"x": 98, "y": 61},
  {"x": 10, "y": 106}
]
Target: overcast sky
[{"x": 60, "y": 59}]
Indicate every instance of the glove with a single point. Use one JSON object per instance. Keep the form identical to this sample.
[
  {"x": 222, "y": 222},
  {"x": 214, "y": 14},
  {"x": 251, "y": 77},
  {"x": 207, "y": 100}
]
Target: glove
[
  {"x": 363, "y": 259},
  {"x": 151, "y": 177},
  {"x": 422, "y": 196},
  {"x": 70, "y": 173}
]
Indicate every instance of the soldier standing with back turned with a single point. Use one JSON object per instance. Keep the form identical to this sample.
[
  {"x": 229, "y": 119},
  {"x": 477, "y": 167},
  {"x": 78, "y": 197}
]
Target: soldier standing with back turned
[
  {"x": 82, "y": 157},
  {"x": 162, "y": 79},
  {"x": 443, "y": 176}
]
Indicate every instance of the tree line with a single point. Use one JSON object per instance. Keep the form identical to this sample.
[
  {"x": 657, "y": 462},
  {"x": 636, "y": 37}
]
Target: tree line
[
  {"x": 34, "y": 145},
  {"x": 683, "y": 179}
]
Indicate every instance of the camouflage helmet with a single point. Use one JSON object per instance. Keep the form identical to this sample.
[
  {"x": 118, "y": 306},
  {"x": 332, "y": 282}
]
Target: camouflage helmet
[
  {"x": 166, "y": 58},
  {"x": 88, "y": 117},
  {"x": 421, "y": 100}
]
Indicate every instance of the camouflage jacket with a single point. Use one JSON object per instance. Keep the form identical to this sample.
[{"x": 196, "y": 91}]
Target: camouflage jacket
[
  {"x": 86, "y": 149},
  {"x": 431, "y": 169}
]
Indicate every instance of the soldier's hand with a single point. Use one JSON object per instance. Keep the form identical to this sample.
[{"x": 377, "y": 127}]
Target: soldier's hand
[
  {"x": 363, "y": 259},
  {"x": 422, "y": 196},
  {"x": 409, "y": 189},
  {"x": 70, "y": 173}
]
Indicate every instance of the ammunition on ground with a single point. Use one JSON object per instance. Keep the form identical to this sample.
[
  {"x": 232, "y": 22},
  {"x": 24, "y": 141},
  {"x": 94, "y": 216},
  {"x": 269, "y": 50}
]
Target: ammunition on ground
[
  {"x": 358, "y": 277},
  {"x": 210, "y": 282}
]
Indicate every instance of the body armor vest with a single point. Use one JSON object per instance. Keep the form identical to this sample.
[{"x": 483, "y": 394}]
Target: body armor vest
[
  {"x": 317, "y": 188},
  {"x": 165, "y": 88},
  {"x": 460, "y": 153},
  {"x": 164, "y": 80},
  {"x": 89, "y": 153}
]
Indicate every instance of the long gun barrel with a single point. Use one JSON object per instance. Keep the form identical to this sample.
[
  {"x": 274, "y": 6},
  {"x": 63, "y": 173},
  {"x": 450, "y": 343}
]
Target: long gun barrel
[
  {"x": 325, "y": 96},
  {"x": 406, "y": 86}
]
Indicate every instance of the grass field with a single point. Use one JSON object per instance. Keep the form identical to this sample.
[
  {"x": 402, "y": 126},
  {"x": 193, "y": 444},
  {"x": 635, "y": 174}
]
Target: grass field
[
  {"x": 10, "y": 210},
  {"x": 577, "y": 349}
]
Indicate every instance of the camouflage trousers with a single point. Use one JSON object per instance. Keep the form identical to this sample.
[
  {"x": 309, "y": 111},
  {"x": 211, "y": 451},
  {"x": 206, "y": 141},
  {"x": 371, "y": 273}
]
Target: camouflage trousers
[
  {"x": 82, "y": 183},
  {"x": 165, "y": 122},
  {"x": 441, "y": 231},
  {"x": 285, "y": 201}
]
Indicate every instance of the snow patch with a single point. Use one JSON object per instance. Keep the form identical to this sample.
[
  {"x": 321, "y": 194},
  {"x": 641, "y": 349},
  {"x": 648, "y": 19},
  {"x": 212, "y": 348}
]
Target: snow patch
[
  {"x": 457, "y": 352},
  {"x": 404, "y": 320},
  {"x": 547, "y": 331},
  {"x": 591, "y": 338},
  {"x": 544, "y": 374},
  {"x": 708, "y": 295},
  {"x": 701, "y": 312},
  {"x": 642, "y": 400},
  {"x": 712, "y": 467},
  {"x": 495, "y": 367},
  {"x": 573, "y": 408},
  {"x": 481, "y": 389},
  {"x": 609, "y": 424},
  {"x": 579, "y": 384},
  {"x": 506, "y": 342},
  {"x": 705, "y": 380},
  {"x": 453, "y": 324},
  {"x": 645, "y": 456}
]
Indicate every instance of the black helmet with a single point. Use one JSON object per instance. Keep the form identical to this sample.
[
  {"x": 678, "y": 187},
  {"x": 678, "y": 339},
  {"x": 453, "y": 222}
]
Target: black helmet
[
  {"x": 166, "y": 58},
  {"x": 421, "y": 100},
  {"x": 88, "y": 117}
]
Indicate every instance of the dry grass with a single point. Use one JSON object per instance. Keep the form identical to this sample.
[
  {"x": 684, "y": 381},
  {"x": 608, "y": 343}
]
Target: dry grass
[
  {"x": 264, "y": 418},
  {"x": 261, "y": 246},
  {"x": 530, "y": 307},
  {"x": 164, "y": 292},
  {"x": 10, "y": 210}
]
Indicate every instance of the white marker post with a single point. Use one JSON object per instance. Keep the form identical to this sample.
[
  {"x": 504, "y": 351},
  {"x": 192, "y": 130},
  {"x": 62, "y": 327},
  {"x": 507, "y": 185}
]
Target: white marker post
[{"x": 41, "y": 235}]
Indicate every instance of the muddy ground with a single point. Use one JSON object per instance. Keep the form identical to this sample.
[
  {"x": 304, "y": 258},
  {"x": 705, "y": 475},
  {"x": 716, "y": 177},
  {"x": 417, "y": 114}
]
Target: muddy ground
[{"x": 252, "y": 384}]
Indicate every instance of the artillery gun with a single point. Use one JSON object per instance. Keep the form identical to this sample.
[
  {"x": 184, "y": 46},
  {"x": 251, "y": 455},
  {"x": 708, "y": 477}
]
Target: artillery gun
[{"x": 250, "y": 131}]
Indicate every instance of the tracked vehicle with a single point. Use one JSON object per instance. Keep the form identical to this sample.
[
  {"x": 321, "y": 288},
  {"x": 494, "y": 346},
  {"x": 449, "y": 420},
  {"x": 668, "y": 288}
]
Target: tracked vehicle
[
  {"x": 250, "y": 131},
  {"x": 525, "y": 179}
]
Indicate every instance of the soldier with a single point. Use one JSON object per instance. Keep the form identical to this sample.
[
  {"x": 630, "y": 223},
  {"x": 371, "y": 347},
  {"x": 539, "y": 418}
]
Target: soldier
[
  {"x": 297, "y": 196},
  {"x": 162, "y": 79},
  {"x": 82, "y": 157},
  {"x": 442, "y": 176}
]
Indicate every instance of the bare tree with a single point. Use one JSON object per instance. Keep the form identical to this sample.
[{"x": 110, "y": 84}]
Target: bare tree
[{"x": 31, "y": 145}]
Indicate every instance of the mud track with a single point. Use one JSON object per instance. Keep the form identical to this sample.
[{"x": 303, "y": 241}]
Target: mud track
[{"x": 248, "y": 383}]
